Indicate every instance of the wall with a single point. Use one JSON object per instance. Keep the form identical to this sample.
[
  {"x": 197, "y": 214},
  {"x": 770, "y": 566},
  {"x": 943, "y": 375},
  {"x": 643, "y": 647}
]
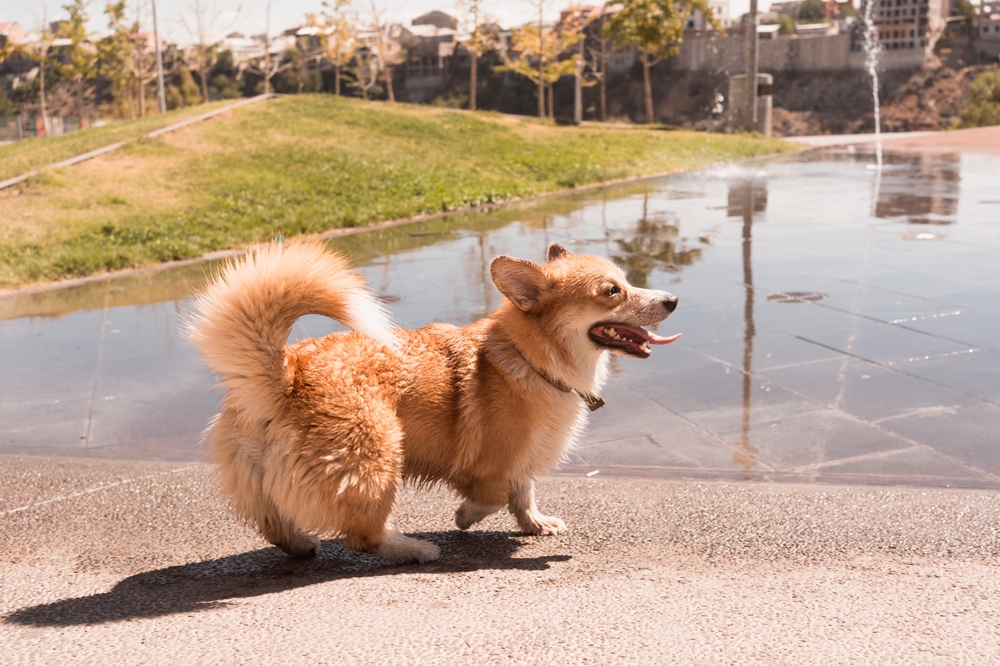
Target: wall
[{"x": 706, "y": 51}]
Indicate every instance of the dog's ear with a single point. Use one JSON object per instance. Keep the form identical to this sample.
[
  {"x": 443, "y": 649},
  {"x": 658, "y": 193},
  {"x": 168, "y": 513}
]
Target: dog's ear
[
  {"x": 556, "y": 250},
  {"x": 519, "y": 280}
]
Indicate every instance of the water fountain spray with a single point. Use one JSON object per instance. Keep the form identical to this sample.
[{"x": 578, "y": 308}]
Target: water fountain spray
[{"x": 873, "y": 47}]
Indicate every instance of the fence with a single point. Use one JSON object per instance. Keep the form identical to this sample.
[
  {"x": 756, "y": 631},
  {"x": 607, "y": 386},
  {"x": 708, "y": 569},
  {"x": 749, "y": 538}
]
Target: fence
[{"x": 16, "y": 128}]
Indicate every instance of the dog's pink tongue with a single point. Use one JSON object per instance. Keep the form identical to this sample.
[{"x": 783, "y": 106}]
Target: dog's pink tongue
[{"x": 657, "y": 340}]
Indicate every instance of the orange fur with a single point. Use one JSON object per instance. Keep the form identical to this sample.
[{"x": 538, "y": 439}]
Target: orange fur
[{"x": 315, "y": 439}]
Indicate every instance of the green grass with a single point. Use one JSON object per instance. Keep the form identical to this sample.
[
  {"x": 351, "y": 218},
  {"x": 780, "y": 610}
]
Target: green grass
[
  {"x": 306, "y": 164},
  {"x": 23, "y": 156}
]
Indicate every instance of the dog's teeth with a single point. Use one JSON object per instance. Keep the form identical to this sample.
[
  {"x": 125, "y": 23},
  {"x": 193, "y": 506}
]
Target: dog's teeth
[
  {"x": 610, "y": 331},
  {"x": 645, "y": 348}
]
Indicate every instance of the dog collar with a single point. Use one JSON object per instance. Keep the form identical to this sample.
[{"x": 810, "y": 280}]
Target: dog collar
[{"x": 593, "y": 400}]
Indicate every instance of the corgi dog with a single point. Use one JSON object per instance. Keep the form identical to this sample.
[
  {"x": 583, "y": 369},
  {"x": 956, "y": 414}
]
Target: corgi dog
[{"x": 315, "y": 439}]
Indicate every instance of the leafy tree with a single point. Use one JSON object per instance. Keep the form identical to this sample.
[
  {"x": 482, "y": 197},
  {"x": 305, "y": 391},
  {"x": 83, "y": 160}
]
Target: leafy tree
[
  {"x": 38, "y": 52},
  {"x": 226, "y": 78},
  {"x": 200, "y": 21},
  {"x": 482, "y": 38},
  {"x": 186, "y": 93},
  {"x": 6, "y": 108},
  {"x": 982, "y": 103},
  {"x": 299, "y": 78},
  {"x": 787, "y": 24},
  {"x": 811, "y": 10},
  {"x": 656, "y": 29},
  {"x": 79, "y": 59},
  {"x": 534, "y": 53},
  {"x": 964, "y": 8},
  {"x": 337, "y": 35},
  {"x": 118, "y": 53}
]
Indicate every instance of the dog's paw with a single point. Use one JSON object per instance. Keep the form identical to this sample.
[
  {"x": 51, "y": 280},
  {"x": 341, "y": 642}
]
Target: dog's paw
[
  {"x": 301, "y": 546},
  {"x": 401, "y": 549},
  {"x": 470, "y": 513},
  {"x": 538, "y": 525}
]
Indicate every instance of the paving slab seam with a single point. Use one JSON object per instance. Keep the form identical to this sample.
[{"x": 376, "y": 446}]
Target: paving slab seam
[
  {"x": 95, "y": 489},
  {"x": 887, "y": 366}
]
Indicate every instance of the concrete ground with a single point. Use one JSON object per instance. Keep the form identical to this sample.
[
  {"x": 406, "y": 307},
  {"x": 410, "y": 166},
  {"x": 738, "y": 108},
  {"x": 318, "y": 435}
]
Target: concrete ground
[
  {"x": 140, "y": 563},
  {"x": 983, "y": 140}
]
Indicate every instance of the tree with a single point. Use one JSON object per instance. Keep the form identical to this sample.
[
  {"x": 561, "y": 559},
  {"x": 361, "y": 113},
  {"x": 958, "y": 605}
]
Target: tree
[
  {"x": 336, "y": 35},
  {"x": 811, "y": 10},
  {"x": 38, "y": 52},
  {"x": 380, "y": 44},
  {"x": 482, "y": 38},
  {"x": 267, "y": 66},
  {"x": 364, "y": 67},
  {"x": 78, "y": 59},
  {"x": 597, "y": 58},
  {"x": 116, "y": 51},
  {"x": 534, "y": 53},
  {"x": 201, "y": 21},
  {"x": 656, "y": 29},
  {"x": 982, "y": 105},
  {"x": 123, "y": 59}
]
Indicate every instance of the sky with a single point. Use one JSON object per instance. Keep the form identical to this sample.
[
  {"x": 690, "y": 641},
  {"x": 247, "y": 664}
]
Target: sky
[{"x": 248, "y": 16}]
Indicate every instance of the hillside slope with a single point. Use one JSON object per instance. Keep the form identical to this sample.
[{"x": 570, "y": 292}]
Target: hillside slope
[{"x": 307, "y": 164}]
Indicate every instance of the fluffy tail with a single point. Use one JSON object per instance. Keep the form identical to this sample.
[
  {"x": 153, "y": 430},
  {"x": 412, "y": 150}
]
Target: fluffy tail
[{"x": 243, "y": 319}]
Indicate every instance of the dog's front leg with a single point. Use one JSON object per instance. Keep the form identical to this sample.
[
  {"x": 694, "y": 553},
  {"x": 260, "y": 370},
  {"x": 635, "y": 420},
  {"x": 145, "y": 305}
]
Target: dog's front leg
[{"x": 525, "y": 511}]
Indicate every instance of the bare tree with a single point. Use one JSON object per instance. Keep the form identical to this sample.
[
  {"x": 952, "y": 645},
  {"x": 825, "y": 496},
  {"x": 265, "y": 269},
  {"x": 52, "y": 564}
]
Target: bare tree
[
  {"x": 267, "y": 66},
  {"x": 365, "y": 68},
  {"x": 201, "y": 21},
  {"x": 383, "y": 48},
  {"x": 597, "y": 58}
]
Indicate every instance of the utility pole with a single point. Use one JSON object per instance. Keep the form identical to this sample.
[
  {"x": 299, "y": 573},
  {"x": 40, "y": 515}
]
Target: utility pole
[
  {"x": 578, "y": 90},
  {"x": 750, "y": 114},
  {"x": 159, "y": 62},
  {"x": 44, "y": 46}
]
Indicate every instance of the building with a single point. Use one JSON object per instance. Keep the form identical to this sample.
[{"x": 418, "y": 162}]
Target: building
[
  {"x": 720, "y": 9},
  {"x": 912, "y": 25},
  {"x": 437, "y": 19}
]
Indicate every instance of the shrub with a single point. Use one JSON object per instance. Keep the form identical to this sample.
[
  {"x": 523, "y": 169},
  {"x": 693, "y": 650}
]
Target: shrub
[{"x": 982, "y": 103}]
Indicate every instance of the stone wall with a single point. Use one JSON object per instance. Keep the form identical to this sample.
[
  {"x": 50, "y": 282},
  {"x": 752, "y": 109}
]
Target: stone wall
[{"x": 706, "y": 51}]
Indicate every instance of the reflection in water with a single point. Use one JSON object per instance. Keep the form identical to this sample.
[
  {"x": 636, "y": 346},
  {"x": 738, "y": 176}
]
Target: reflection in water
[
  {"x": 656, "y": 243},
  {"x": 745, "y": 199},
  {"x": 923, "y": 187}
]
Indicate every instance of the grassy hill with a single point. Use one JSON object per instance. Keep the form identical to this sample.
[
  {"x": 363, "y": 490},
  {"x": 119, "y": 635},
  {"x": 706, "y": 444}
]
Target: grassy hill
[{"x": 305, "y": 164}]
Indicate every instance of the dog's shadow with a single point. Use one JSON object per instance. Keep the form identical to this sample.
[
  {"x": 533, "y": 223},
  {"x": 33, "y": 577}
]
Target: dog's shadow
[{"x": 208, "y": 585}]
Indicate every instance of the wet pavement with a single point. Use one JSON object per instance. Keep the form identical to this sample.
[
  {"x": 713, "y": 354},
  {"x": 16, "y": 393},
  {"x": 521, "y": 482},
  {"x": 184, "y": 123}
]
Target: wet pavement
[{"x": 840, "y": 325}]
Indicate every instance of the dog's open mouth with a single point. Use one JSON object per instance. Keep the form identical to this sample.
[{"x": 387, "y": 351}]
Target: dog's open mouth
[{"x": 633, "y": 340}]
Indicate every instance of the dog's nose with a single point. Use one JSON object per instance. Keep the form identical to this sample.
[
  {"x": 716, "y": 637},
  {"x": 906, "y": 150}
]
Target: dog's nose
[{"x": 670, "y": 303}]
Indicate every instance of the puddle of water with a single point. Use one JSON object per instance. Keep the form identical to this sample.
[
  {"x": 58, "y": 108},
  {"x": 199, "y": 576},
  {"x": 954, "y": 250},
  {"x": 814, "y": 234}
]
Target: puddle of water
[{"x": 818, "y": 343}]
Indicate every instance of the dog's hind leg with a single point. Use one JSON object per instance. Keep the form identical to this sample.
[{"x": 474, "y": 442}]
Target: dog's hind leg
[
  {"x": 283, "y": 533},
  {"x": 370, "y": 461},
  {"x": 471, "y": 512},
  {"x": 525, "y": 511}
]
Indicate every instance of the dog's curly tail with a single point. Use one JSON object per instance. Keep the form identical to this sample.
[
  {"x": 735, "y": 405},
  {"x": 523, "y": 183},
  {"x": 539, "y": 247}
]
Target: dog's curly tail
[{"x": 242, "y": 320}]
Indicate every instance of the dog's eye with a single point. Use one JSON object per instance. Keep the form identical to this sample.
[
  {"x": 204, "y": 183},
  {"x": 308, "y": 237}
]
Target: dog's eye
[{"x": 613, "y": 291}]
